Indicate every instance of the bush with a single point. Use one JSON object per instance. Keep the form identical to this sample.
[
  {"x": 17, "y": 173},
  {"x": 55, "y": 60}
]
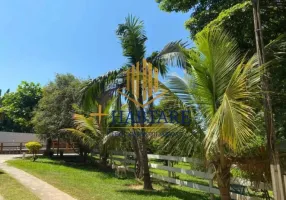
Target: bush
[{"x": 33, "y": 147}]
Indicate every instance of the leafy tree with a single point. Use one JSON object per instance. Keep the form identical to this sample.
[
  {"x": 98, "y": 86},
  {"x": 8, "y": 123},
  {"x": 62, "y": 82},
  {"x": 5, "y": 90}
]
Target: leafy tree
[
  {"x": 18, "y": 106},
  {"x": 222, "y": 88},
  {"x": 233, "y": 16},
  {"x": 4, "y": 121},
  {"x": 1, "y": 97},
  {"x": 55, "y": 109}
]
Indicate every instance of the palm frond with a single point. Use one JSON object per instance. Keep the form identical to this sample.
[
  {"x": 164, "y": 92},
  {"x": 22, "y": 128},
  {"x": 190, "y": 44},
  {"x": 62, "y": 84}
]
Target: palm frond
[
  {"x": 233, "y": 121},
  {"x": 94, "y": 88},
  {"x": 174, "y": 54},
  {"x": 133, "y": 38},
  {"x": 110, "y": 136},
  {"x": 84, "y": 138}
]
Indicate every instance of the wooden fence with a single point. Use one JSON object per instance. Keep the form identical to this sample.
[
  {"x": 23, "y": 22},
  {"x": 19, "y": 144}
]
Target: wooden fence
[
  {"x": 19, "y": 147},
  {"x": 208, "y": 175}
]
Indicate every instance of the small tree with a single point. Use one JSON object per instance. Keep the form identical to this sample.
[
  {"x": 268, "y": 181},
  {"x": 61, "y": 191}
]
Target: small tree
[{"x": 33, "y": 147}]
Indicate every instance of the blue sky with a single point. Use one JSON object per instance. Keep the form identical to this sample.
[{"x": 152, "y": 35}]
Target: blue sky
[{"x": 40, "y": 38}]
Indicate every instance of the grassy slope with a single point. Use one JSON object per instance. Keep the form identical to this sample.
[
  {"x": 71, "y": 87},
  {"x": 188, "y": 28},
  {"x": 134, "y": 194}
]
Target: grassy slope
[
  {"x": 85, "y": 182},
  {"x": 10, "y": 189}
]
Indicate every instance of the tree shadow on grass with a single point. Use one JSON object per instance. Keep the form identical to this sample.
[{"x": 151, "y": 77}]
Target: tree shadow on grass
[{"x": 172, "y": 192}]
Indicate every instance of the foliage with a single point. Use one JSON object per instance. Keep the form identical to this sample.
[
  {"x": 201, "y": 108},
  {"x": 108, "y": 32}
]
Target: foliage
[
  {"x": 55, "y": 109},
  {"x": 18, "y": 106},
  {"x": 236, "y": 17},
  {"x": 221, "y": 88},
  {"x": 233, "y": 16},
  {"x": 86, "y": 130},
  {"x": 34, "y": 148},
  {"x": 133, "y": 38}
]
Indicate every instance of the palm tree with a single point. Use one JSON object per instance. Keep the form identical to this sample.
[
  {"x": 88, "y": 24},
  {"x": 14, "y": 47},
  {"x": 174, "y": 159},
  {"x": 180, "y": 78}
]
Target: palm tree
[
  {"x": 221, "y": 88},
  {"x": 86, "y": 131},
  {"x": 133, "y": 39}
]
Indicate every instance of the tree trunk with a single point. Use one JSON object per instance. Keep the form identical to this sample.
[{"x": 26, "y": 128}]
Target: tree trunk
[
  {"x": 139, "y": 162},
  {"x": 147, "y": 178},
  {"x": 104, "y": 155},
  {"x": 58, "y": 149},
  {"x": 223, "y": 180},
  {"x": 85, "y": 156},
  {"x": 48, "y": 147},
  {"x": 276, "y": 176},
  {"x": 146, "y": 174},
  {"x": 136, "y": 147}
]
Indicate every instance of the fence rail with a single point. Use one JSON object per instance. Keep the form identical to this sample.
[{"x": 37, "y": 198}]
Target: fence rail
[{"x": 209, "y": 175}]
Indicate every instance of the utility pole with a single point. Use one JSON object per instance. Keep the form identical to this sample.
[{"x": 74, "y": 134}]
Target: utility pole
[{"x": 276, "y": 177}]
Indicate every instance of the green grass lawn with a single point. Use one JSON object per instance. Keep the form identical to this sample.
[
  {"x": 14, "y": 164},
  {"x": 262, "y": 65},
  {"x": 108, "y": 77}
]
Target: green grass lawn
[
  {"x": 10, "y": 189},
  {"x": 88, "y": 182}
]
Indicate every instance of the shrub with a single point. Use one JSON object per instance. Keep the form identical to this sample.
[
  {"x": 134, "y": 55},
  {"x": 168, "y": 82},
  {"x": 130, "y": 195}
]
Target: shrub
[{"x": 33, "y": 147}]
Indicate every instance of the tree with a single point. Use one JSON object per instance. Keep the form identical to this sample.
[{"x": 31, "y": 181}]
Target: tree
[
  {"x": 233, "y": 16},
  {"x": 132, "y": 37},
  {"x": 5, "y": 122},
  {"x": 55, "y": 109},
  {"x": 91, "y": 134},
  {"x": 222, "y": 88},
  {"x": 18, "y": 106},
  {"x": 87, "y": 132},
  {"x": 236, "y": 17}
]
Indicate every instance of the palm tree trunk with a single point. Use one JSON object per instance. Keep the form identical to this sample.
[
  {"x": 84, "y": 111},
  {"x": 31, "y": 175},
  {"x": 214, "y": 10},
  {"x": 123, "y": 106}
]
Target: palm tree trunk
[
  {"x": 139, "y": 162},
  {"x": 136, "y": 146},
  {"x": 146, "y": 174},
  {"x": 147, "y": 178},
  {"x": 223, "y": 180},
  {"x": 223, "y": 173}
]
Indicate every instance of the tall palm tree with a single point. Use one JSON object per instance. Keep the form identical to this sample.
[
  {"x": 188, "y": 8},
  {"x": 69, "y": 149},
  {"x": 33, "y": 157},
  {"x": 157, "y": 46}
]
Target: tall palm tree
[
  {"x": 133, "y": 39},
  {"x": 221, "y": 89}
]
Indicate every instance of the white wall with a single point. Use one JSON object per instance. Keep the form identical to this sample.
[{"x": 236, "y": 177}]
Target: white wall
[{"x": 7, "y": 137}]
